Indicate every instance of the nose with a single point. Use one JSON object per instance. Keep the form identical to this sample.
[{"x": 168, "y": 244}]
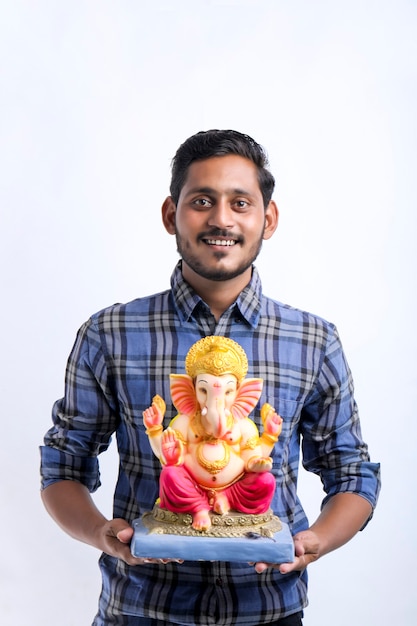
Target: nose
[{"x": 221, "y": 215}]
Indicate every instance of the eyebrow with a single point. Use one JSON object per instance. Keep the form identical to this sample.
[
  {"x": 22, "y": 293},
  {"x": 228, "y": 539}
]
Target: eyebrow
[{"x": 210, "y": 191}]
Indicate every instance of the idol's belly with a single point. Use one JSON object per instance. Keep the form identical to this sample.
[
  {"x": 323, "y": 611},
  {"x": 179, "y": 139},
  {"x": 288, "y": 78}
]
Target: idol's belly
[{"x": 214, "y": 465}]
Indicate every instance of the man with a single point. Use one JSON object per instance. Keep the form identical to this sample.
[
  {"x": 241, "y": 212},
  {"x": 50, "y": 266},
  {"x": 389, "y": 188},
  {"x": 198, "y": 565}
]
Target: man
[{"x": 220, "y": 210}]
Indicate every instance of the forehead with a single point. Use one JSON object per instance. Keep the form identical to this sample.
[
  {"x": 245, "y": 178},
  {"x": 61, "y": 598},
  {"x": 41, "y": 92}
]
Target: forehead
[
  {"x": 211, "y": 379},
  {"x": 223, "y": 173}
]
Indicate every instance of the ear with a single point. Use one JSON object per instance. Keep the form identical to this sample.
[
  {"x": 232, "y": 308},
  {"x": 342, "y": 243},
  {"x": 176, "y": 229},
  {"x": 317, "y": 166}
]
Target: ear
[
  {"x": 247, "y": 397},
  {"x": 168, "y": 215},
  {"x": 271, "y": 220},
  {"x": 183, "y": 393}
]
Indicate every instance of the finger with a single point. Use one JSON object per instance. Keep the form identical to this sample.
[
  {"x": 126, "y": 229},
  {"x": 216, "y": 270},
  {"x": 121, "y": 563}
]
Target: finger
[
  {"x": 300, "y": 563},
  {"x": 261, "y": 567}
]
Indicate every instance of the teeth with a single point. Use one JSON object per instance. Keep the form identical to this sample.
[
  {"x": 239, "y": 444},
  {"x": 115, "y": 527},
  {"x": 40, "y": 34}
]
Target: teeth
[{"x": 221, "y": 242}]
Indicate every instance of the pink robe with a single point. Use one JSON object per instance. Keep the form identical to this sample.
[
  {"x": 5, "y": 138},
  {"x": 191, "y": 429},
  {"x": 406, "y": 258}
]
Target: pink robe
[{"x": 180, "y": 493}]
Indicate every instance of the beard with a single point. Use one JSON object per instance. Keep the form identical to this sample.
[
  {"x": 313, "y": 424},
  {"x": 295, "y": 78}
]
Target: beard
[{"x": 217, "y": 273}]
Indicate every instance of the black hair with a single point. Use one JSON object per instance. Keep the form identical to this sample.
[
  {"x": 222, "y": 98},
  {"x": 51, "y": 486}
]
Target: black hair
[{"x": 213, "y": 143}]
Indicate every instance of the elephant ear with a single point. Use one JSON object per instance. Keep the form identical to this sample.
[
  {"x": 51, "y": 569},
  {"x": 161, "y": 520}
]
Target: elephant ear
[
  {"x": 247, "y": 397},
  {"x": 183, "y": 393}
]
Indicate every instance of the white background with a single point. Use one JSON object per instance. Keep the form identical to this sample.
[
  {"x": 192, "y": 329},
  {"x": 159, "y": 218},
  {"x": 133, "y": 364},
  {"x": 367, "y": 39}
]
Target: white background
[{"x": 95, "y": 97}]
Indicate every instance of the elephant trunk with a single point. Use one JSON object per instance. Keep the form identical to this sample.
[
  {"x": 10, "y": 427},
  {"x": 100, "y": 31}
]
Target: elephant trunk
[{"x": 215, "y": 418}]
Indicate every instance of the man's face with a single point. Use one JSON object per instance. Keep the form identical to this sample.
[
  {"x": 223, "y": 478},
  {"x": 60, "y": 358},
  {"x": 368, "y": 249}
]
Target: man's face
[{"x": 220, "y": 219}]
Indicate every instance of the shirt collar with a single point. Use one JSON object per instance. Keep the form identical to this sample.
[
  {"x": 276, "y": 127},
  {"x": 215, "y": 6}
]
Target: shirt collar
[{"x": 248, "y": 302}]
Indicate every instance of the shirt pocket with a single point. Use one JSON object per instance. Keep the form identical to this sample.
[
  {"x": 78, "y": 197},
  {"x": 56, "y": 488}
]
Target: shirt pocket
[{"x": 288, "y": 443}]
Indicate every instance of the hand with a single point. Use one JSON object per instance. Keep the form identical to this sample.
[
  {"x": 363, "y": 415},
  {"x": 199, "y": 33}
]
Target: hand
[
  {"x": 259, "y": 464},
  {"x": 154, "y": 415},
  {"x": 72, "y": 507},
  {"x": 171, "y": 447},
  {"x": 340, "y": 519},
  {"x": 116, "y": 537},
  {"x": 271, "y": 420},
  {"x": 306, "y": 548}
]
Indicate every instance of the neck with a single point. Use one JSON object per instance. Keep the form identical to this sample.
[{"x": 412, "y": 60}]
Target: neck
[{"x": 217, "y": 294}]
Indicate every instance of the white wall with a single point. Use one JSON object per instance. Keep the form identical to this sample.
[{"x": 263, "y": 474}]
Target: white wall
[{"x": 95, "y": 97}]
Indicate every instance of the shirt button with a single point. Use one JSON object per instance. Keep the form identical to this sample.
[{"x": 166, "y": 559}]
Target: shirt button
[{"x": 219, "y": 582}]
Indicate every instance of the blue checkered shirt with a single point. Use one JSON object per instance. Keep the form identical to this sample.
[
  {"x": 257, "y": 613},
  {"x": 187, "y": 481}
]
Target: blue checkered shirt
[{"x": 122, "y": 357}]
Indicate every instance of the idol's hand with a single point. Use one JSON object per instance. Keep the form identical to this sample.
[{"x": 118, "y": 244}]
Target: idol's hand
[
  {"x": 271, "y": 420},
  {"x": 154, "y": 415},
  {"x": 259, "y": 464},
  {"x": 171, "y": 448}
]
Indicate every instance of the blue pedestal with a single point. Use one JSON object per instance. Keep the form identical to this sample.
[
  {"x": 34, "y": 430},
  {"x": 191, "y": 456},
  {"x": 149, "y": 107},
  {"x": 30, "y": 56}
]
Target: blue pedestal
[{"x": 251, "y": 547}]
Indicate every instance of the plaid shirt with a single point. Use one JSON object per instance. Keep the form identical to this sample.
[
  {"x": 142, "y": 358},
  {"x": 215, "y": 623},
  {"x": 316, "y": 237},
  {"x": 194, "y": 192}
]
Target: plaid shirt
[{"x": 123, "y": 356}]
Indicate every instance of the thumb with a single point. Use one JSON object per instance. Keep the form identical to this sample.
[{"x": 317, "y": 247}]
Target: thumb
[
  {"x": 125, "y": 532},
  {"x": 299, "y": 547}
]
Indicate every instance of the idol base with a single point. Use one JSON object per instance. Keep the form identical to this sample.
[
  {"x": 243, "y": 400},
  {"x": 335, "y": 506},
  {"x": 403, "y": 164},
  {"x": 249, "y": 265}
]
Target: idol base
[{"x": 162, "y": 534}]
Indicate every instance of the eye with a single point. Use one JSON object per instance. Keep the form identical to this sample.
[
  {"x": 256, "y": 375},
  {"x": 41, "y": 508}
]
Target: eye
[
  {"x": 202, "y": 390},
  {"x": 202, "y": 203},
  {"x": 240, "y": 205}
]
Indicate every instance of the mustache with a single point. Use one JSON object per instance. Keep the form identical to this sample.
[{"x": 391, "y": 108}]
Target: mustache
[{"x": 218, "y": 232}]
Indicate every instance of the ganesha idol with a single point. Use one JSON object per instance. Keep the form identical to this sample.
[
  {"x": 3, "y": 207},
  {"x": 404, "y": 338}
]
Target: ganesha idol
[{"x": 213, "y": 458}]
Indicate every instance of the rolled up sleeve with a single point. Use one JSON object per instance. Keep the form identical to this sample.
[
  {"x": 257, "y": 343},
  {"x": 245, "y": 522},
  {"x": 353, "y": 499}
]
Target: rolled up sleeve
[
  {"x": 84, "y": 419},
  {"x": 333, "y": 446}
]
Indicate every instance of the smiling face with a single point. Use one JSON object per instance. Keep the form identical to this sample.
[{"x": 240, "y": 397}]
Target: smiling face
[{"x": 220, "y": 219}]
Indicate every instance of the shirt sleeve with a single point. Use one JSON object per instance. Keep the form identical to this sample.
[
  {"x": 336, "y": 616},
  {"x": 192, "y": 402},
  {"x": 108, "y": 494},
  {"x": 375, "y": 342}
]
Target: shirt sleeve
[
  {"x": 332, "y": 444},
  {"x": 84, "y": 419}
]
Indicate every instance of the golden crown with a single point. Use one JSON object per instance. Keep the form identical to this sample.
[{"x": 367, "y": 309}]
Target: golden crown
[{"x": 217, "y": 356}]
